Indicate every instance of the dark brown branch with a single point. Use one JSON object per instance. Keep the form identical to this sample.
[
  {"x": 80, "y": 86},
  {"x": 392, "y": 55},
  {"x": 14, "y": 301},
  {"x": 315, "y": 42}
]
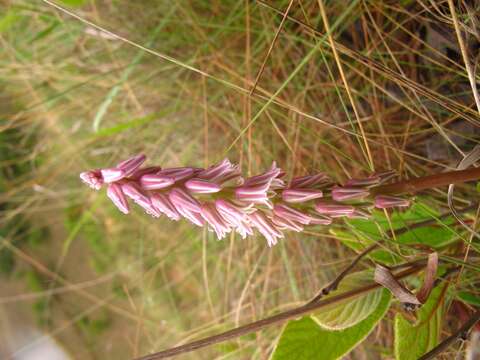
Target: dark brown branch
[
  {"x": 460, "y": 333},
  {"x": 275, "y": 319}
]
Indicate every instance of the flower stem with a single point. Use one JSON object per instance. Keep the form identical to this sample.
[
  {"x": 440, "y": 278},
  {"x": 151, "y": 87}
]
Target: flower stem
[{"x": 427, "y": 182}]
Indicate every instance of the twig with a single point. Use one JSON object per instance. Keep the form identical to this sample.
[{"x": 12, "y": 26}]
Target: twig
[
  {"x": 275, "y": 319},
  {"x": 460, "y": 333}
]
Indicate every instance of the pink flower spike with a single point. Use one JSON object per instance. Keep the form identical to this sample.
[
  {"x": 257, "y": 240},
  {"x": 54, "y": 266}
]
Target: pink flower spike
[
  {"x": 216, "y": 222},
  {"x": 202, "y": 186},
  {"x": 300, "y": 195},
  {"x": 115, "y": 193},
  {"x": 155, "y": 182},
  {"x": 112, "y": 174},
  {"x": 334, "y": 210},
  {"x": 367, "y": 182},
  {"x": 162, "y": 204},
  {"x": 181, "y": 199},
  {"x": 348, "y": 193},
  {"x": 266, "y": 227},
  {"x": 291, "y": 214},
  {"x": 92, "y": 178},
  {"x": 178, "y": 174},
  {"x": 385, "y": 202},
  {"x": 130, "y": 165}
]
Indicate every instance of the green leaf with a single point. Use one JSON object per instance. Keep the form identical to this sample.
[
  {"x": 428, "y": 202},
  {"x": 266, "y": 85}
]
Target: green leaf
[
  {"x": 305, "y": 339},
  {"x": 414, "y": 340},
  {"x": 363, "y": 233},
  {"x": 469, "y": 298},
  {"x": 349, "y": 312}
]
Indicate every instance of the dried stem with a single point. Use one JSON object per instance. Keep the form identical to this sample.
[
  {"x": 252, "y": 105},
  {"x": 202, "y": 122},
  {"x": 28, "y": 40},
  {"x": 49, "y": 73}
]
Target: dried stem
[
  {"x": 460, "y": 333},
  {"x": 275, "y": 319}
]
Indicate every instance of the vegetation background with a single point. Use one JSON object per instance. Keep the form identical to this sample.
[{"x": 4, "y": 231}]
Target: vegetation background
[{"x": 174, "y": 80}]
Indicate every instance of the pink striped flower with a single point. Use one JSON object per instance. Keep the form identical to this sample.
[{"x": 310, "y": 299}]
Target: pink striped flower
[
  {"x": 286, "y": 212},
  {"x": 236, "y": 216},
  {"x": 92, "y": 178},
  {"x": 115, "y": 193},
  {"x": 386, "y": 202},
  {"x": 222, "y": 173},
  {"x": 181, "y": 199},
  {"x": 140, "y": 198},
  {"x": 365, "y": 182},
  {"x": 300, "y": 195},
  {"x": 266, "y": 227},
  {"x": 348, "y": 193},
  {"x": 286, "y": 224},
  {"x": 333, "y": 210},
  {"x": 162, "y": 203},
  {"x": 155, "y": 182},
  {"x": 215, "y": 220},
  {"x": 129, "y": 166},
  {"x": 178, "y": 174},
  {"x": 310, "y": 181},
  {"x": 200, "y": 186}
]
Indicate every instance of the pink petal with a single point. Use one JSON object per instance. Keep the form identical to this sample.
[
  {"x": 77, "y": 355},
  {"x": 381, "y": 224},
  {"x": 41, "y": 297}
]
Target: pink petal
[
  {"x": 162, "y": 204},
  {"x": 202, "y": 186},
  {"x": 266, "y": 227},
  {"x": 334, "y": 210},
  {"x": 148, "y": 170},
  {"x": 213, "y": 218},
  {"x": 112, "y": 174},
  {"x": 155, "y": 182},
  {"x": 385, "y": 202},
  {"x": 130, "y": 165},
  {"x": 181, "y": 199},
  {"x": 291, "y": 214},
  {"x": 178, "y": 174},
  {"x": 92, "y": 178},
  {"x": 309, "y": 181},
  {"x": 348, "y": 193},
  {"x": 115, "y": 193},
  {"x": 300, "y": 195},
  {"x": 285, "y": 224}
]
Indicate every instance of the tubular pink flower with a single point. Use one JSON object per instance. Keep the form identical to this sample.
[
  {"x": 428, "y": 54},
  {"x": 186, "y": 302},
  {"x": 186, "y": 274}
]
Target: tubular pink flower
[
  {"x": 194, "y": 217},
  {"x": 115, "y": 193},
  {"x": 130, "y": 165},
  {"x": 309, "y": 181},
  {"x": 162, "y": 203},
  {"x": 202, "y": 186},
  {"x": 216, "y": 222},
  {"x": 291, "y": 214},
  {"x": 155, "y": 182},
  {"x": 333, "y": 210},
  {"x": 348, "y": 193},
  {"x": 266, "y": 227},
  {"x": 92, "y": 178},
  {"x": 385, "y": 202},
  {"x": 236, "y": 216},
  {"x": 221, "y": 173},
  {"x": 181, "y": 199},
  {"x": 269, "y": 179},
  {"x": 285, "y": 224},
  {"x": 253, "y": 194},
  {"x": 133, "y": 192},
  {"x": 300, "y": 195},
  {"x": 178, "y": 174},
  {"x": 112, "y": 175}
]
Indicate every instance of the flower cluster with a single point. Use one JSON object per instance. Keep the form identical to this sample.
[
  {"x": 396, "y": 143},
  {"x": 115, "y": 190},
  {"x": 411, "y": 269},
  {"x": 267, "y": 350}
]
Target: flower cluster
[{"x": 220, "y": 198}]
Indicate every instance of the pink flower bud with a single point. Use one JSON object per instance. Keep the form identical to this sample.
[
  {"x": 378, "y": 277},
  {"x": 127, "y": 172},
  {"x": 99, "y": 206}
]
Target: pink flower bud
[
  {"x": 291, "y": 214},
  {"x": 148, "y": 170},
  {"x": 155, "y": 182},
  {"x": 266, "y": 227},
  {"x": 348, "y": 193},
  {"x": 202, "y": 186},
  {"x": 333, "y": 210},
  {"x": 115, "y": 193},
  {"x": 182, "y": 200},
  {"x": 162, "y": 203},
  {"x": 221, "y": 173},
  {"x": 300, "y": 195},
  {"x": 253, "y": 194},
  {"x": 385, "y": 202},
  {"x": 112, "y": 174},
  {"x": 130, "y": 165},
  {"x": 133, "y": 192},
  {"x": 92, "y": 178},
  {"x": 194, "y": 217}
]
